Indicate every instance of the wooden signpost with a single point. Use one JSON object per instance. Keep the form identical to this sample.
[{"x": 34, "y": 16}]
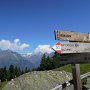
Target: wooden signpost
[
  {"x": 72, "y": 36},
  {"x": 76, "y": 51}
]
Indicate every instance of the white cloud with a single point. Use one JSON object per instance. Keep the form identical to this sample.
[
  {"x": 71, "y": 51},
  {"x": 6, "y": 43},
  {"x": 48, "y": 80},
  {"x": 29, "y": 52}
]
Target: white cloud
[
  {"x": 29, "y": 53},
  {"x": 16, "y": 45},
  {"x": 43, "y": 49},
  {"x": 16, "y": 40},
  {"x": 24, "y": 46}
]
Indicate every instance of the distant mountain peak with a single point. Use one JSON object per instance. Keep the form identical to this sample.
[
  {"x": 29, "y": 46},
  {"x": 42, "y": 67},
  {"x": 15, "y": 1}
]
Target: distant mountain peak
[
  {"x": 8, "y": 50},
  {"x": 8, "y": 57}
]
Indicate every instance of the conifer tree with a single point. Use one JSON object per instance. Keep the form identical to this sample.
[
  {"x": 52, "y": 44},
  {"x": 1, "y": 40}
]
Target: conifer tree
[{"x": 11, "y": 72}]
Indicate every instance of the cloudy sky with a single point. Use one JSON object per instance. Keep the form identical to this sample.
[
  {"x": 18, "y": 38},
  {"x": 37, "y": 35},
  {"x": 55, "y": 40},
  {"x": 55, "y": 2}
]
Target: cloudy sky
[{"x": 28, "y": 25}]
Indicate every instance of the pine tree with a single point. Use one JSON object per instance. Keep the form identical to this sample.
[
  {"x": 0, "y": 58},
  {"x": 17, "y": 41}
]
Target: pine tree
[
  {"x": 1, "y": 74},
  {"x": 11, "y": 72},
  {"x": 48, "y": 63},
  {"x": 17, "y": 71},
  {"x": 26, "y": 70},
  {"x": 5, "y": 75},
  {"x": 43, "y": 63},
  {"x": 22, "y": 72}
]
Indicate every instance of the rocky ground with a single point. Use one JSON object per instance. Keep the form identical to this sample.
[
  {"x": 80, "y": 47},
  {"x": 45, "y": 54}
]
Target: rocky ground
[{"x": 39, "y": 80}]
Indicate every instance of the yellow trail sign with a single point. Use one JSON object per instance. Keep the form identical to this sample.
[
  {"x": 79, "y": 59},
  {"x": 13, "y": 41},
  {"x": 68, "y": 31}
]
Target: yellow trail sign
[{"x": 72, "y": 36}]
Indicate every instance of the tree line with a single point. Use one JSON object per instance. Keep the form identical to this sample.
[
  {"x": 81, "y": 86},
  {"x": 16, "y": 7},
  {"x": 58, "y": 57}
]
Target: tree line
[
  {"x": 48, "y": 63},
  {"x": 11, "y": 72}
]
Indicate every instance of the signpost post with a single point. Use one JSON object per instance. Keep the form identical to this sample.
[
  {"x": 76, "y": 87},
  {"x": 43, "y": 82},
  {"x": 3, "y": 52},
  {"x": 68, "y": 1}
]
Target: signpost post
[
  {"x": 78, "y": 52},
  {"x": 76, "y": 77}
]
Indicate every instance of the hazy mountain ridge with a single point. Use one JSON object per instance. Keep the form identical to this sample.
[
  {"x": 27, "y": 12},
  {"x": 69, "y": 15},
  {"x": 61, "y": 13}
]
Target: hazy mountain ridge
[
  {"x": 8, "y": 57},
  {"x": 35, "y": 58}
]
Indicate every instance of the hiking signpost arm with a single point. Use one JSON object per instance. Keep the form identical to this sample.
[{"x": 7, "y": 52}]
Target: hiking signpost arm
[
  {"x": 72, "y": 36},
  {"x": 71, "y": 47}
]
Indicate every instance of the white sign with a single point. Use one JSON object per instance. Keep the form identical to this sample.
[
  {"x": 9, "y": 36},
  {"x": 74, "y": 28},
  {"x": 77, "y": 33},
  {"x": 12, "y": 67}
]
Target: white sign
[{"x": 69, "y": 47}]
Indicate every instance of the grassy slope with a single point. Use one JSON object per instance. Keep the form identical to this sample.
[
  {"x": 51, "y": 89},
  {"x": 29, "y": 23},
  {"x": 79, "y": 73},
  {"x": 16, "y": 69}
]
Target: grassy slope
[
  {"x": 2, "y": 85},
  {"x": 84, "y": 68}
]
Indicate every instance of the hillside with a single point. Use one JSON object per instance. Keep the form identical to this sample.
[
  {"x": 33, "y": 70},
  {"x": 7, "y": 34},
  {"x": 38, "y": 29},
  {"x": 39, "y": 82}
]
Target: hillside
[
  {"x": 44, "y": 80},
  {"x": 84, "y": 68},
  {"x": 38, "y": 80}
]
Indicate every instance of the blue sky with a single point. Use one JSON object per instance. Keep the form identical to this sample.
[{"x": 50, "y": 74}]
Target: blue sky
[{"x": 33, "y": 21}]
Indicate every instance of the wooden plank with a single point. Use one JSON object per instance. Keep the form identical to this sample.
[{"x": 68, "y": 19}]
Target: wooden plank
[
  {"x": 72, "y": 36},
  {"x": 77, "y": 58},
  {"x": 69, "y": 47}
]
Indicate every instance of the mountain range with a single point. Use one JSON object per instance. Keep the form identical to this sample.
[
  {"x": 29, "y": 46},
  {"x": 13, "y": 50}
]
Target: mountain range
[
  {"x": 8, "y": 57},
  {"x": 35, "y": 58}
]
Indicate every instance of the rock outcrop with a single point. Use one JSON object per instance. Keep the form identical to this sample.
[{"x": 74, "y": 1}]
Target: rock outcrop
[{"x": 38, "y": 80}]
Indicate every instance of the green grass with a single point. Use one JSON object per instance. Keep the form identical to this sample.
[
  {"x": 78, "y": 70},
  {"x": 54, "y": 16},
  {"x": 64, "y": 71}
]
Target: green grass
[
  {"x": 84, "y": 68},
  {"x": 2, "y": 85}
]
